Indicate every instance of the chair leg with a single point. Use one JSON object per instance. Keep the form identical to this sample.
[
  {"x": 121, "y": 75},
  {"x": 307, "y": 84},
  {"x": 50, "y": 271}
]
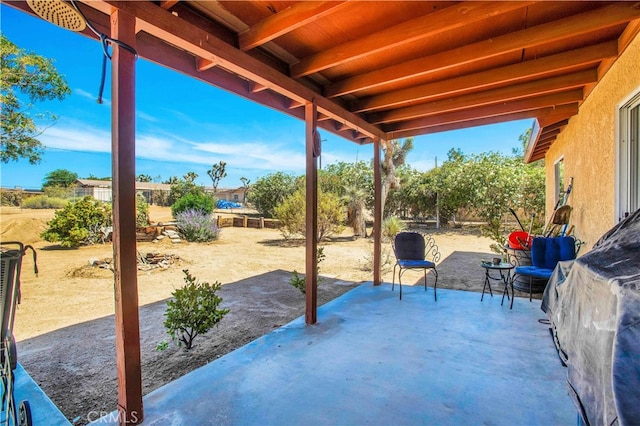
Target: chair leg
[
  {"x": 513, "y": 295},
  {"x": 530, "y": 287},
  {"x": 435, "y": 285},
  {"x": 506, "y": 289},
  {"x": 400, "y": 282},
  {"x": 393, "y": 280}
]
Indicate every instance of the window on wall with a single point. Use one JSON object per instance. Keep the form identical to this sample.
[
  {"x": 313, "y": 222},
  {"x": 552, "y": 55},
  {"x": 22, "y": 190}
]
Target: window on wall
[{"x": 629, "y": 158}]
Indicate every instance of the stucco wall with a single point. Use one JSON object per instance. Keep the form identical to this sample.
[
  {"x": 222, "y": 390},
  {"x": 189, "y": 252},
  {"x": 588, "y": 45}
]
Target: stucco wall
[{"x": 588, "y": 145}]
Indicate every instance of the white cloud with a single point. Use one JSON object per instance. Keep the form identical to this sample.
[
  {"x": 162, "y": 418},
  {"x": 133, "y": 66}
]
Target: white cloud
[
  {"x": 92, "y": 96},
  {"x": 77, "y": 138},
  {"x": 257, "y": 155}
]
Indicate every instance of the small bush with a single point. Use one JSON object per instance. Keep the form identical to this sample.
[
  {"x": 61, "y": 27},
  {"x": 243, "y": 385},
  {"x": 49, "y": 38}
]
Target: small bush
[
  {"x": 299, "y": 282},
  {"x": 291, "y": 214},
  {"x": 196, "y": 226},
  {"x": 82, "y": 222},
  {"x": 387, "y": 259},
  {"x": 11, "y": 198},
  {"x": 59, "y": 192},
  {"x": 43, "y": 202},
  {"x": 193, "y": 310},
  {"x": 391, "y": 227},
  {"x": 142, "y": 211},
  {"x": 193, "y": 201}
]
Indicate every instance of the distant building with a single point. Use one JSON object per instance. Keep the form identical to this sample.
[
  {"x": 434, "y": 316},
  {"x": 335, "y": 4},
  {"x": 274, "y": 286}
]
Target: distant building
[
  {"x": 154, "y": 193},
  {"x": 102, "y": 190}
]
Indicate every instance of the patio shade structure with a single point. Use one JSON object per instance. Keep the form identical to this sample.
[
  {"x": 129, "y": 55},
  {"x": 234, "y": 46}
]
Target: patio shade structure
[{"x": 369, "y": 71}]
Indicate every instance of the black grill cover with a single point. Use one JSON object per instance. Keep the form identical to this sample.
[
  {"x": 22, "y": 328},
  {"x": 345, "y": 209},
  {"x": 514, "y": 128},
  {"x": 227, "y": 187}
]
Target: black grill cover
[{"x": 593, "y": 304}]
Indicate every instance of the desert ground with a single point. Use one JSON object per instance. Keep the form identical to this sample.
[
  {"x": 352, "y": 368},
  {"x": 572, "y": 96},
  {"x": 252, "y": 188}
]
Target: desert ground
[{"x": 65, "y": 324}]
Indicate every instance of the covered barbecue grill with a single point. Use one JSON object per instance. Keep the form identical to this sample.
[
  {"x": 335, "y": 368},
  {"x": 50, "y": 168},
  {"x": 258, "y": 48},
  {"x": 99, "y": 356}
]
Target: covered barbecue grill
[{"x": 593, "y": 304}]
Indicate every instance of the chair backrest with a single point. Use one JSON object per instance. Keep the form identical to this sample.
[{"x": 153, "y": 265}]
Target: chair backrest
[
  {"x": 547, "y": 252},
  {"x": 409, "y": 246}
]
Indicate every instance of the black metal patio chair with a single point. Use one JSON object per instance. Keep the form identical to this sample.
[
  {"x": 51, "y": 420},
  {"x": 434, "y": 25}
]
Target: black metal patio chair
[{"x": 411, "y": 250}]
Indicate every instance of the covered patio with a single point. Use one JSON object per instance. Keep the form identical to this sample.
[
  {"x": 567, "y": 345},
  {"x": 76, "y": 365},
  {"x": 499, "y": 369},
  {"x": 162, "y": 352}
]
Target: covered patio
[
  {"x": 375, "y": 359},
  {"x": 369, "y": 72}
]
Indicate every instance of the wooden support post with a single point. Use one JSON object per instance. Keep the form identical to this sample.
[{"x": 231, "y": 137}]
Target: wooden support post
[
  {"x": 377, "y": 213},
  {"x": 311, "y": 253},
  {"x": 123, "y": 130}
]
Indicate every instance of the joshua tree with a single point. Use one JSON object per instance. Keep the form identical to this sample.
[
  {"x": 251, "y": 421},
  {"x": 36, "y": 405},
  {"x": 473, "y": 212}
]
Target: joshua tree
[
  {"x": 245, "y": 189},
  {"x": 394, "y": 157},
  {"x": 356, "y": 199},
  {"x": 217, "y": 172}
]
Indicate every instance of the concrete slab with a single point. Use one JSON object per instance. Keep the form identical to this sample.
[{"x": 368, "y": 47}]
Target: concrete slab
[
  {"x": 43, "y": 410},
  {"x": 375, "y": 359}
]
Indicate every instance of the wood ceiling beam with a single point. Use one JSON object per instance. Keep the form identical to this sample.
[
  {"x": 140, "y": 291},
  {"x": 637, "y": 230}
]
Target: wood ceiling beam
[
  {"x": 165, "y": 26},
  {"x": 287, "y": 20},
  {"x": 154, "y": 50},
  {"x": 205, "y": 64},
  {"x": 569, "y": 97},
  {"x": 450, "y": 18},
  {"x": 168, "y": 4},
  {"x": 488, "y": 97},
  {"x": 572, "y": 26},
  {"x": 528, "y": 70},
  {"x": 568, "y": 110}
]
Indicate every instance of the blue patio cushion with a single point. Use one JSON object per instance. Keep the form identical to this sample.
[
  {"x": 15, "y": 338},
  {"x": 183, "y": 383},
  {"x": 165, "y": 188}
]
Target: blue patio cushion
[
  {"x": 408, "y": 264},
  {"x": 547, "y": 252},
  {"x": 409, "y": 246},
  {"x": 534, "y": 271}
]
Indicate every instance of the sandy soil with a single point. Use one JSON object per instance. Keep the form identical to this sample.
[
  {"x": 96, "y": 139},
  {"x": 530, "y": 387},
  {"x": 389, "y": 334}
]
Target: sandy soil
[{"x": 65, "y": 325}]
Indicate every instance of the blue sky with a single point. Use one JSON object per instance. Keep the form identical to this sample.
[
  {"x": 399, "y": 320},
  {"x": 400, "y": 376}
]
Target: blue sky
[{"x": 183, "y": 125}]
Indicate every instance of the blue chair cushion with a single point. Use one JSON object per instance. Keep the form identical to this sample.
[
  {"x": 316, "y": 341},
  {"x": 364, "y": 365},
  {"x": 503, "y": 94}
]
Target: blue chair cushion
[
  {"x": 408, "y": 264},
  {"x": 547, "y": 252},
  {"x": 534, "y": 271}
]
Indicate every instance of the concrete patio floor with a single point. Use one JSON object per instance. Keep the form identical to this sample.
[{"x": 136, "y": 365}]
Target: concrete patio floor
[
  {"x": 43, "y": 410},
  {"x": 374, "y": 359}
]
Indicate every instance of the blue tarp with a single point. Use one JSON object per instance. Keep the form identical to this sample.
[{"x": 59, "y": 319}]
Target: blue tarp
[{"x": 224, "y": 204}]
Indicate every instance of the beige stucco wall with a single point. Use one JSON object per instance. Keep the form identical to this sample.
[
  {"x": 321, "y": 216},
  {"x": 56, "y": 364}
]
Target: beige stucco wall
[{"x": 588, "y": 145}]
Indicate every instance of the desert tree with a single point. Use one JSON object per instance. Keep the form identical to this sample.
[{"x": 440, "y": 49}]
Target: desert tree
[
  {"x": 34, "y": 77},
  {"x": 245, "y": 189},
  {"x": 217, "y": 173},
  {"x": 356, "y": 200},
  {"x": 394, "y": 156},
  {"x": 61, "y": 178}
]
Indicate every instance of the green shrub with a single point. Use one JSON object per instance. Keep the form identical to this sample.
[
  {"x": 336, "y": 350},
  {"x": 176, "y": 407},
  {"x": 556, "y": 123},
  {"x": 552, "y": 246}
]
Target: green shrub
[
  {"x": 142, "y": 211},
  {"x": 299, "y": 282},
  {"x": 82, "y": 222},
  {"x": 11, "y": 198},
  {"x": 59, "y": 192},
  {"x": 193, "y": 310},
  {"x": 193, "y": 201},
  {"x": 43, "y": 202},
  {"x": 391, "y": 227},
  {"x": 196, "y": 226},
  {"x": 291, "y": 214}
]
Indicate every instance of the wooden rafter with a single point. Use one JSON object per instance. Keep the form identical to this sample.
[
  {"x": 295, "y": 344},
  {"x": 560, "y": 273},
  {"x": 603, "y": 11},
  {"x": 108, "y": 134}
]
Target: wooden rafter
[
  {"x": 510, "y": 74},
  {"x": 285, "y": 21},
  {"x": 569, "y": 97},
  {"x": 565, "y": 110},
  {"x": 511, "y": 42},
  {"x": 488, "y": 97},
  {"x": 424, "y": 27},
  {"x": 162, "y": 24}
]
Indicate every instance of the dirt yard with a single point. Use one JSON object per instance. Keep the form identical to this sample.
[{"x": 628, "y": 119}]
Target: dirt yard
[{"x": 65, "y": 323}]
